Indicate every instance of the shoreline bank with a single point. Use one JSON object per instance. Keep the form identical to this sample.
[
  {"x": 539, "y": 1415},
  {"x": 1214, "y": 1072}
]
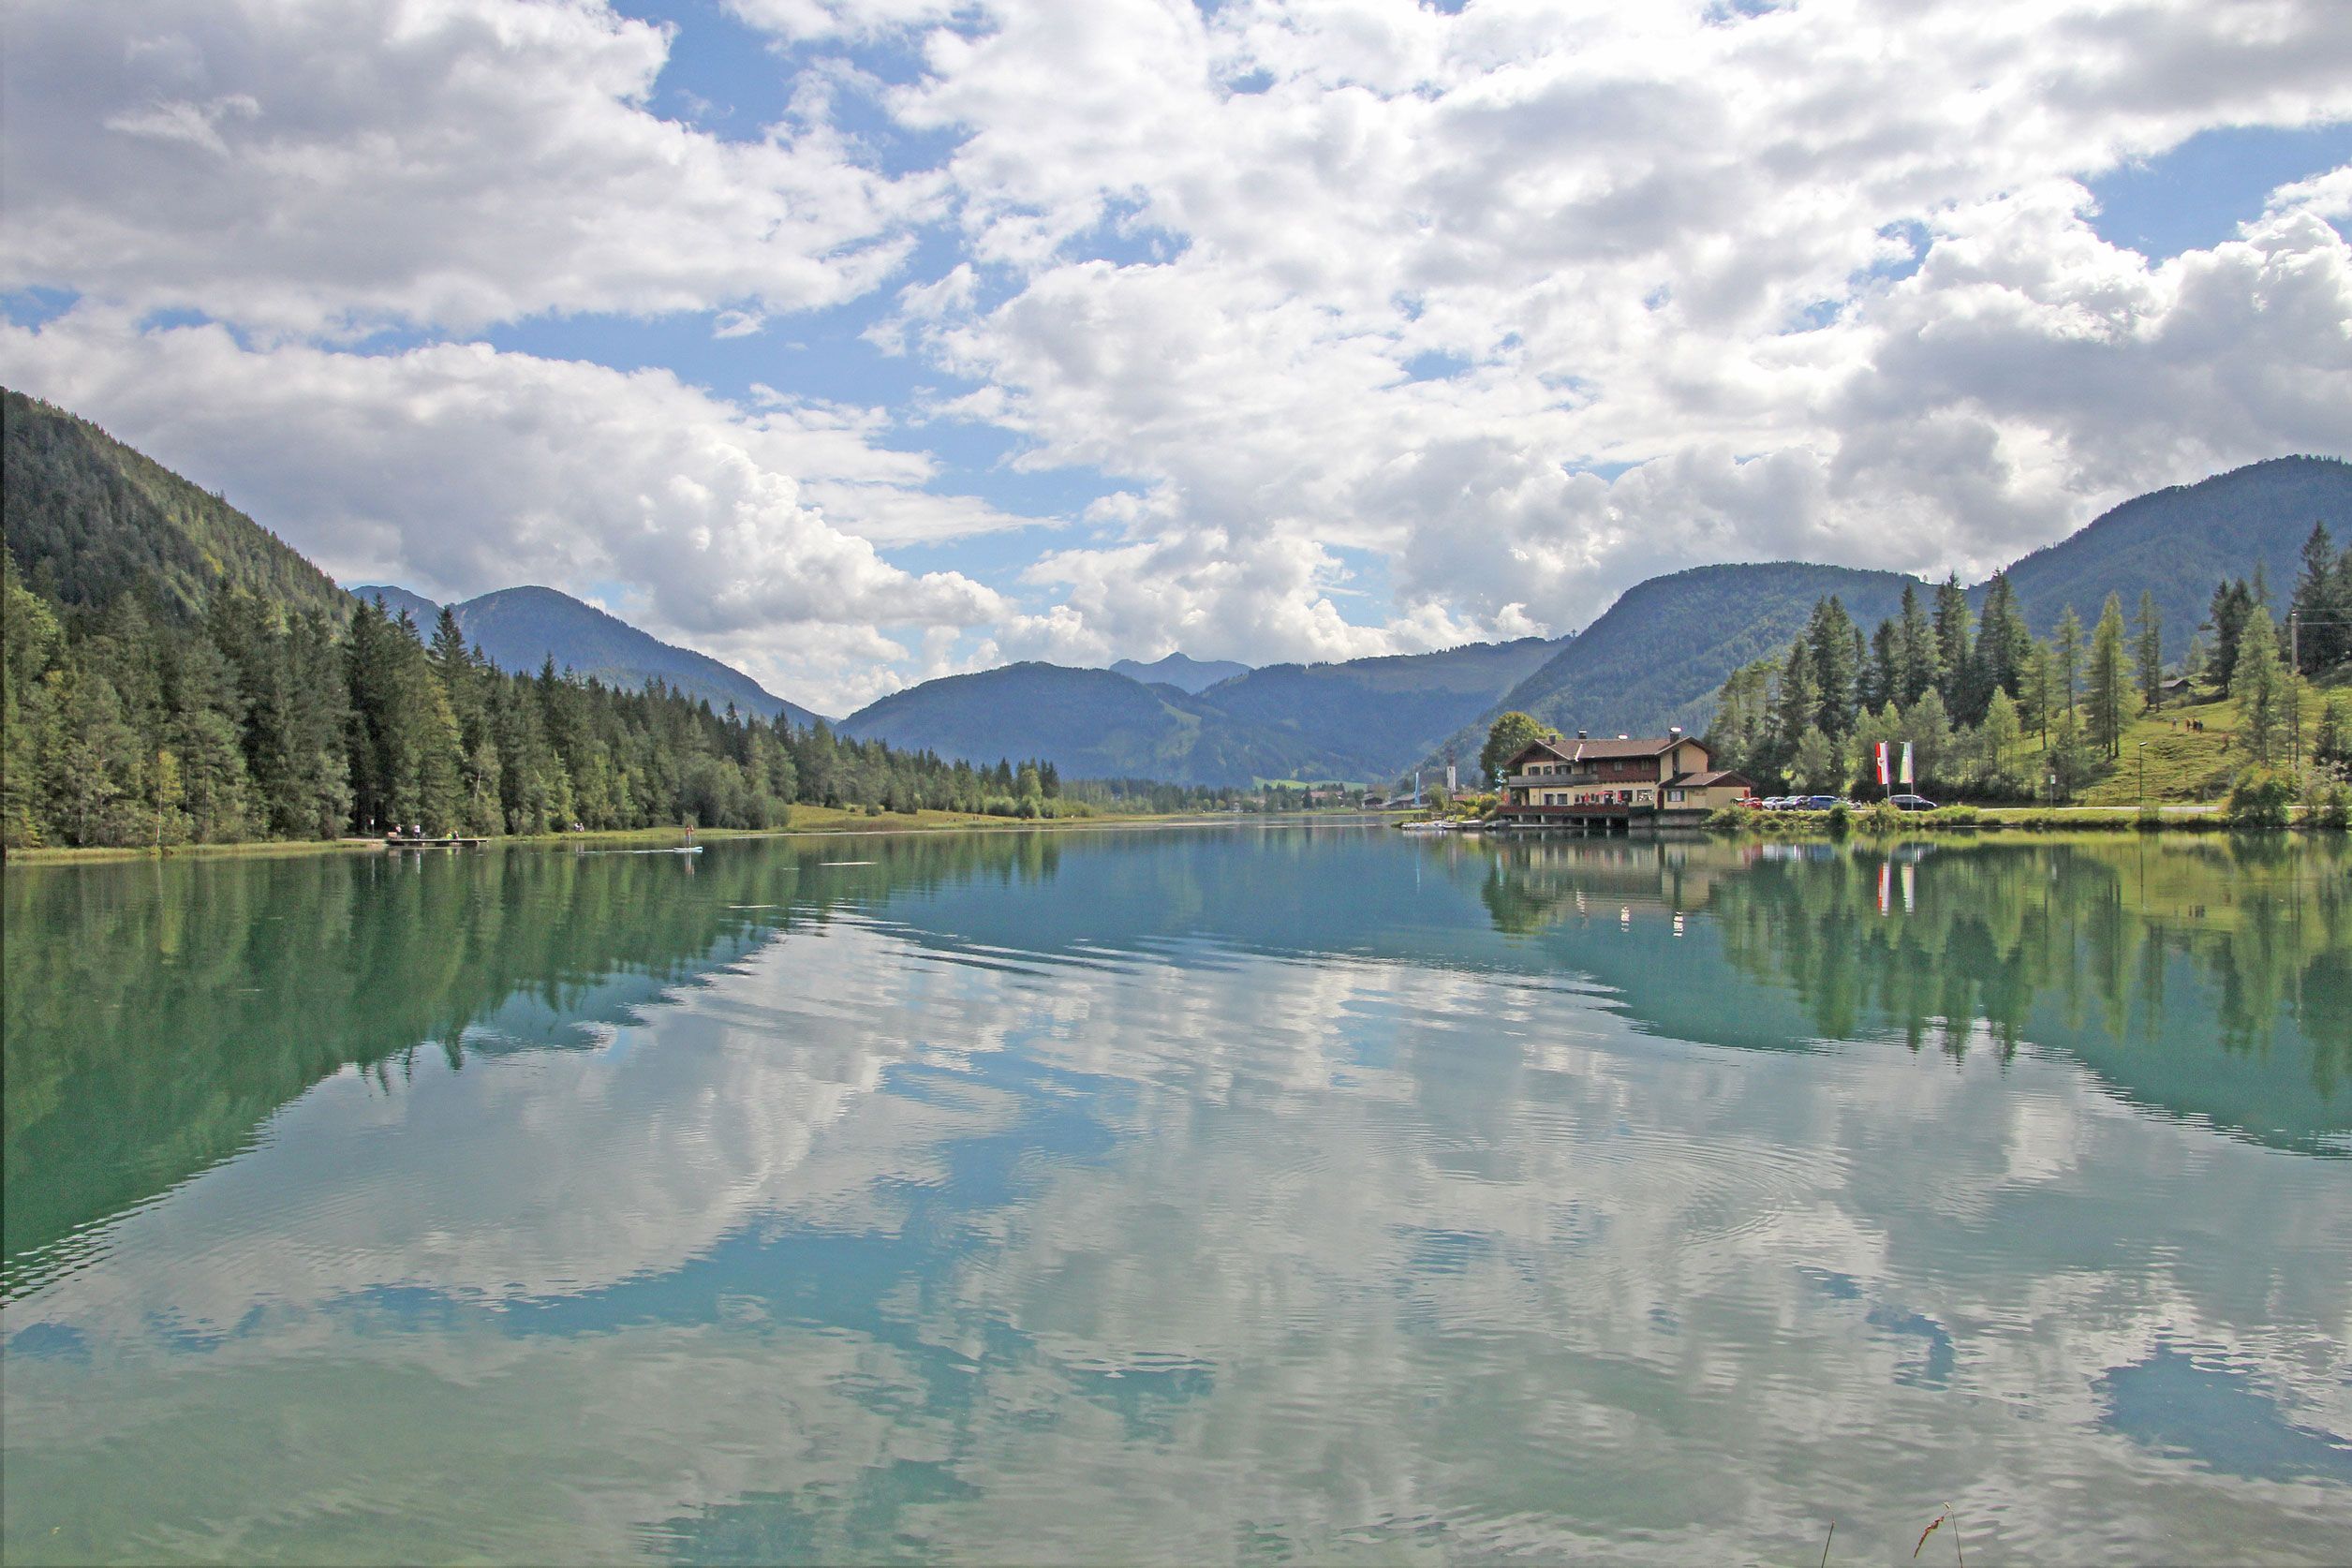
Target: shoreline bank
[{"x": 833, "y": 823}]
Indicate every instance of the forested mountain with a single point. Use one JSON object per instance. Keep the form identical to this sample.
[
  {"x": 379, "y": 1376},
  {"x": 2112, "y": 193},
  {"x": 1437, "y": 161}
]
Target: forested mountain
[
  {"x": 177, "y": 696},
  {"x": 1089, "y": 723},
  {"x": 2178, "y": 543},
  {"x": 1189, "y": 675},
  {"x": 1367, "y": 718},
  {"x": 521, "y": 628},
  {"x": 88, "y": 519},
  {"x": 1657, "y": 656},
  {"x": 1361, "y": 719}
]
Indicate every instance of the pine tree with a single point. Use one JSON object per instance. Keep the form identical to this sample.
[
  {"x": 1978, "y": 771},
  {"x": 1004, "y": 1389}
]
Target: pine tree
[
  {"x": 1795, "y": 701},
  {"x": 2109, "y": 687},
  {"x": 1815, "y": 765},
  {"x": 1831, "y": 656},
  {"x": 2260, "y": 686},
  {"x": 2042, "y": 702},
  {"x": 2003, "y": 644},
  {"x": 2001, "y": 741},
  {"x": 2322, "y": 617},
  {"x": 2149, "y": 651},
  {"x": 1884, "y": 685},
  {"x": 1915, "y": 649},
  {"x": 2227, "y": 619},
  {"x": 2065, "y": 652},
  {"x": 1952, "y": 643},
  {"x": 1736, "y": 735}
]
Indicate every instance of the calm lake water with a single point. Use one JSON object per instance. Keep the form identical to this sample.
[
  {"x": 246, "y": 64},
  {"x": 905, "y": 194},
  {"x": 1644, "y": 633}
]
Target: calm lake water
[{"x": 1219, "y": 1194}]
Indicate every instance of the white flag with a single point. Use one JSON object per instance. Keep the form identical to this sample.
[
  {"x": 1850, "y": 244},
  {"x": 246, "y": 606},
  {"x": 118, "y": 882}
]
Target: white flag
[{"x": 1906, "y": 763}]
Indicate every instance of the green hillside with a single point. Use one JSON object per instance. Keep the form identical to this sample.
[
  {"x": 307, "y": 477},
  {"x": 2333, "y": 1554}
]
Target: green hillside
[
  {"x": 88, "y": 519},
  {"x": 1658, "y": 656},
  {"x": 2178, "y": 543}
]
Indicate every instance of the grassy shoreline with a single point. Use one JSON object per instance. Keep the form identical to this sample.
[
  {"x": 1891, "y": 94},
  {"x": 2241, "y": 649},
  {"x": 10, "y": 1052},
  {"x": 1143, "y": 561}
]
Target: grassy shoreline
[
  {"x": 807, "y": 821},
  {"x": 2169, "y": 818}
]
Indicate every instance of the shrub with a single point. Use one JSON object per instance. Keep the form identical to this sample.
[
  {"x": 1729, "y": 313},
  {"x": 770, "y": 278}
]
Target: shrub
[
  {"x": 1882, "y": 818},
  {"x": 2329, "y": 808},
  {"x": 1955, "y": 817},
  {"x": 1841, "y": 820},
  {"x": 2261, "y": 800},
  {"x": 2149, "y": 820}
]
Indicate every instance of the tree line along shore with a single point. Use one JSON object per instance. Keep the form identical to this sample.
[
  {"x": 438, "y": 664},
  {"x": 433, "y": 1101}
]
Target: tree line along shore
[{"x": 136, "y": 724}]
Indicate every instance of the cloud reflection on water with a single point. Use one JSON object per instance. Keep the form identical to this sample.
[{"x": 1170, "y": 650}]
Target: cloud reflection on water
[{"x": 891, "y": 1236}]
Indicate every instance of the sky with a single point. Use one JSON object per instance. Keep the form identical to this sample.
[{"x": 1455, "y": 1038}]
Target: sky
[{"x": 858, "y": 342}]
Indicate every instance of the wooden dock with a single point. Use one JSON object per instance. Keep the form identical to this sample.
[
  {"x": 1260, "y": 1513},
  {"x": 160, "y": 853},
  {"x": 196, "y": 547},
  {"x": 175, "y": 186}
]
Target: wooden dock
[{"x": 445, "y": 843}]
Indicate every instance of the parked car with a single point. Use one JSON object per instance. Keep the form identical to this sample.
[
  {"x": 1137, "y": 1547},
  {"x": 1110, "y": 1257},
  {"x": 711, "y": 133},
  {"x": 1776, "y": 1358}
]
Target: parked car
[
  {"x": 1911, "y": 803},
  {"x": 1822, "y": 802},
  {"x": 1781, "y": 803}
]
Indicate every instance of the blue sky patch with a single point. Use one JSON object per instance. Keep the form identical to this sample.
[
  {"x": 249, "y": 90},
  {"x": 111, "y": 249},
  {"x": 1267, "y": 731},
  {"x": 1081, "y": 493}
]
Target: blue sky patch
[{"x": 2195, "y": 197}]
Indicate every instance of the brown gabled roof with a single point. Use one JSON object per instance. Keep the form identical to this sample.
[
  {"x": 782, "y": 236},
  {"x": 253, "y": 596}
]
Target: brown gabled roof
[
  {"x": 1604, "y": 751},
  {"x": 1702, "y": 780},
  {"x": 1542, "y": 742},
  {"x": 1639, "y": 746}
]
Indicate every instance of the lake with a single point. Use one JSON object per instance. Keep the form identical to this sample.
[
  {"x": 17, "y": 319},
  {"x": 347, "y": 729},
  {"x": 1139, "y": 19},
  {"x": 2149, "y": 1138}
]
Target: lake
[{"x": 1281, "y": 1193}]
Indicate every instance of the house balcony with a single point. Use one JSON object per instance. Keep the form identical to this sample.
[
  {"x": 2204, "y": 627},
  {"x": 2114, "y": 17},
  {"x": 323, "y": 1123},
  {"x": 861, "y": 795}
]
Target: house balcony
[{"x": 1552, "y": 780}]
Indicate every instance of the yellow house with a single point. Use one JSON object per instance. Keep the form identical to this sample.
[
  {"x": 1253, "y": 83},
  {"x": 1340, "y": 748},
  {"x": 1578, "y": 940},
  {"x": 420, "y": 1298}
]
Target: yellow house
[{"x": 1583, "y": 780}]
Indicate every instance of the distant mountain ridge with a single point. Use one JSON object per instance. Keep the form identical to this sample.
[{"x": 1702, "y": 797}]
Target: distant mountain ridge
[
  {"x": 519, "y": 629},
  {"x": 1089, "y": 723},
  {"x": 1368, "y": 718},
  {"x": 1189, "y": 675},
  {"x": 1360, "y": 719}
]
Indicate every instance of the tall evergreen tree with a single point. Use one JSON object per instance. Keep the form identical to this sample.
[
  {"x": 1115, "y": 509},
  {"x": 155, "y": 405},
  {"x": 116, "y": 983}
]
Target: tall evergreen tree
[
  {"x": 2225, "y": 618},
  {"x": 1795, "y": 701},
  {"x": 1952, "y": 643},
  {"x": 2323, "y": 616},
  {"x": 1885, "y": 684},
  {"x": 1917, "y": 649},
  {"x": 2262, "y": 687},
  {"x": 1831, "y": 655},
  {"x": 2109, "y": 689},
  {"x": 2065, "y": 652},
  {"x": 2003, "y": 644},
  {"x": 2148, "y": 651}
]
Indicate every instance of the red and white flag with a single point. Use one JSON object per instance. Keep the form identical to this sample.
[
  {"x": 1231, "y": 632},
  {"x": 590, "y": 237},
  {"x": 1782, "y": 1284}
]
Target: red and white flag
[{"x": 1882, "y": 774}]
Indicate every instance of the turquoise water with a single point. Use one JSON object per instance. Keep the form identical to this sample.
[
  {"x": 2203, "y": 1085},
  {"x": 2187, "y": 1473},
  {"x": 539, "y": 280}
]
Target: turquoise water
[{"x": 1301, "y": 1195}]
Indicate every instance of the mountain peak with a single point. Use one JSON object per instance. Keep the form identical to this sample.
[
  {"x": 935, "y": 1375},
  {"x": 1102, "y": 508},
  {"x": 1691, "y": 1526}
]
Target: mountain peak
[
  {"x": 1187, "y": 675},
  {"x": 519, "y": 628}
]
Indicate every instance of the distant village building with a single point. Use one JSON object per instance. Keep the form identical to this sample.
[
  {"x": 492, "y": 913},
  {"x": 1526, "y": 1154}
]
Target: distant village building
[{"x": 1585, "y": 782}]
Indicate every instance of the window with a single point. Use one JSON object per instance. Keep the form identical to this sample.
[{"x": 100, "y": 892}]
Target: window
[{"x": 1674, "y": 794}]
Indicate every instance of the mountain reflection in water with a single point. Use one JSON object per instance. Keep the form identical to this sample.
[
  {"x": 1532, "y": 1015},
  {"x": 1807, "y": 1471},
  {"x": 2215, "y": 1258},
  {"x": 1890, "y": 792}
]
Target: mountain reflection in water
[{"x": 1209, "y": 1193}]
